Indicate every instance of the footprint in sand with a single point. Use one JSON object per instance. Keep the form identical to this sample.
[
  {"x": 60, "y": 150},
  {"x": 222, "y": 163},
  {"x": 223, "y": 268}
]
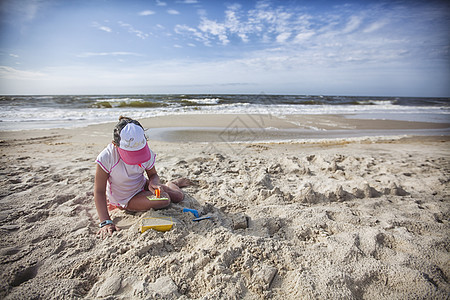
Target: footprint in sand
[{"x": 24, "y": 275}]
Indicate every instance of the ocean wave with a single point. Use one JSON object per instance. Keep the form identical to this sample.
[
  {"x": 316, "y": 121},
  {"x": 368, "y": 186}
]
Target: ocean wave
[
  {"x": 375, "y": 102},
  {"x": 119, "y": 100},
  {"x": 202, "y": 101},
  {"x": 70, "y": 111},
  {"x": 127, "y": 103}
]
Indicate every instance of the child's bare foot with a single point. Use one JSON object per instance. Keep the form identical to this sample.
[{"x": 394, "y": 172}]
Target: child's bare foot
[{"x": 182, "y": 182}]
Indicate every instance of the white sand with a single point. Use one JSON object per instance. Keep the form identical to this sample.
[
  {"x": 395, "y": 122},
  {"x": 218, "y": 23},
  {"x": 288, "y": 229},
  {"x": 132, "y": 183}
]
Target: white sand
[{"x": 338, "y": 220}]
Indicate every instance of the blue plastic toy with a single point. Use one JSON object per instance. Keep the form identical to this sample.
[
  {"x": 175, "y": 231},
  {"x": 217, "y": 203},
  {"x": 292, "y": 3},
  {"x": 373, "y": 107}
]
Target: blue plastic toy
[
  {"x": 201, "y": 218},
  {"x": 193, "y": 211}
]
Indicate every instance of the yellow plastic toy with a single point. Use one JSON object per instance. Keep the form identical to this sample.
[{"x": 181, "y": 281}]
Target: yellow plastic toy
[{"x": 158, "y": 224}]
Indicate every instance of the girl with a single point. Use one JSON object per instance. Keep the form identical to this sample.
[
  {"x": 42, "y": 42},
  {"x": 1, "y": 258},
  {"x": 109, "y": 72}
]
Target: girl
[{"x": 120, "y": 176}]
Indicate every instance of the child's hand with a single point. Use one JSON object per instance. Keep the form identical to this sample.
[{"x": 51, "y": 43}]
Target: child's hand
[
  {"x": 153, "y": 187},
  {"x": 107, "y": 230}
]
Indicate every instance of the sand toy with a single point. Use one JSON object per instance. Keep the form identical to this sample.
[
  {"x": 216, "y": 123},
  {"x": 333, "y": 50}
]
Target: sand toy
[
  {"x": 158, "y": 224},
  {"x": 201, "y": 218},
  {"x": 157, "y": 196},
  {"x": 193, "y": 211},
  {"x": 196, "y": 214}
]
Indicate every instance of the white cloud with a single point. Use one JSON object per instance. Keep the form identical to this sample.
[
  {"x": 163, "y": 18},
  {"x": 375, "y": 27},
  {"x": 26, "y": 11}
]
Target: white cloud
[
  {"x": 160, "y": 3},
  {"x": 91, "y": 54},
  {"x": 343, "y": 35},
  {"x": 282, "y": 37},
  {"x": 215, "y": 29},
  {"x": 173, "y": 12},
  {"x": 234, "y": 24},
  {"x": 14, "y": 55},
  {"x": 303, "y": 36},
  {"x": 105, "y": 28},
  {"x": 188, "y": 2},
  {"x": 263, "y": 22},
  {"x": 146, "y": 13},
  {"x": 132, "y": 30},
  {"x": 352, "y": 24},
  {"x": 231, "y": 19},
  {"x": 14, "y": 74},
  {"x": 196, "y": 34},
  {"x": 101, "y": 27},
  {"x": 375, "y": 26}
]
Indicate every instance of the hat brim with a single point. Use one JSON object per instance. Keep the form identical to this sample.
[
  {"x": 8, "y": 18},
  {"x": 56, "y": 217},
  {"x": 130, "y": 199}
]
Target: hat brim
[{"x": 135, "y": 157}]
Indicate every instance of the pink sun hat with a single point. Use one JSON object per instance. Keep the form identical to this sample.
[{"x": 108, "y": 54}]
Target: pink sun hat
[{"x": 133, "y": 148}]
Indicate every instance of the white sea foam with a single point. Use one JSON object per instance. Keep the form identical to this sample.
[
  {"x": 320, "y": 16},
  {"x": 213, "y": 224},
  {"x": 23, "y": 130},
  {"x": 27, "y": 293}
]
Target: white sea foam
[
  {"x": 13, "y": 117},
  {"x": 204, "y": 101},
  {"x": 376, "y": 102},
  {"x": 120, "y": 100}
]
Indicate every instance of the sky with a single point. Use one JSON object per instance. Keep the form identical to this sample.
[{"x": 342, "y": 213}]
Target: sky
[{"x": 314, "y": 47}]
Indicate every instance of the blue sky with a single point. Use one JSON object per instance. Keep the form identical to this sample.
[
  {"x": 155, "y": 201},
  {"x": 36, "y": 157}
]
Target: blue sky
[{"x": 379, "y": 48}]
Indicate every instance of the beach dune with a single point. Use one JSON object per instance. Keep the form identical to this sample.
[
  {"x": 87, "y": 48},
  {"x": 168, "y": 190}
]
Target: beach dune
[{"x": 354, "y": 218}]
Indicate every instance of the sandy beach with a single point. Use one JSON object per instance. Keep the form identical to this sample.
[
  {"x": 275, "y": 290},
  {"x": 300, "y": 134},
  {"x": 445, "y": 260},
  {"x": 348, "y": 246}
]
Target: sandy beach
[{"x": 294, "y": 215}]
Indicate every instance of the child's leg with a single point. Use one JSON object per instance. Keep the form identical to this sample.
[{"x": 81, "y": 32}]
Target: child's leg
[
  {"x": 173, "y": 188},
  {"x": 140, "y": 202},
  {"x": 172, "y": 191}
]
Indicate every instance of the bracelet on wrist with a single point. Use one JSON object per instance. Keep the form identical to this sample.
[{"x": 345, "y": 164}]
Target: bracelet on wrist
[{"x": 106, "y": 222}]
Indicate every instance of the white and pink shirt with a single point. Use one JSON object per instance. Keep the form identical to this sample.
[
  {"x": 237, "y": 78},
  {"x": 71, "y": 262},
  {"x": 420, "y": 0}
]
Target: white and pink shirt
[{"x": 124, "y": 180}]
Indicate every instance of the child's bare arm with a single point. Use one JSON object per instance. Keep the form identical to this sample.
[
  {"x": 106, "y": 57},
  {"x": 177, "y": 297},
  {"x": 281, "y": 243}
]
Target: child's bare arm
[
  {"x": 101, "y": 178},
  {"x": 153, "y": 179}
]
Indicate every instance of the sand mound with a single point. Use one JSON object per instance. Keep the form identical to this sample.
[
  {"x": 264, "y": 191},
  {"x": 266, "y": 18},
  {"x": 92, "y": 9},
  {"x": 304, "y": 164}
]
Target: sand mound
[{"x": 353, "y": 222}]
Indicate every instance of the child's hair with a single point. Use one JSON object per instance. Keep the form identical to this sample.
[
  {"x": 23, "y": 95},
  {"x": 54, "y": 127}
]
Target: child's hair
[{"x": 123, "y": 121}]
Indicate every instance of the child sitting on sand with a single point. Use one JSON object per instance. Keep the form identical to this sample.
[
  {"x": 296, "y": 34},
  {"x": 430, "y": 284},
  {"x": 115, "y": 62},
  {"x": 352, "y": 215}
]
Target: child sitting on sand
[{"x": 120, "y": 176}]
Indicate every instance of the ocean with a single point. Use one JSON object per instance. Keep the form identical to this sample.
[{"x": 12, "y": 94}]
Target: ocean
[{"x": 46, "y": 112}]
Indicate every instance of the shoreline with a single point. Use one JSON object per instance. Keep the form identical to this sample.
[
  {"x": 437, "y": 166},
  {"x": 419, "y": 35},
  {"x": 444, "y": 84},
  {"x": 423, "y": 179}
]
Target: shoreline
[
  {"x": 257, "y": 128},
  {"x": 77, "y": 110}
]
